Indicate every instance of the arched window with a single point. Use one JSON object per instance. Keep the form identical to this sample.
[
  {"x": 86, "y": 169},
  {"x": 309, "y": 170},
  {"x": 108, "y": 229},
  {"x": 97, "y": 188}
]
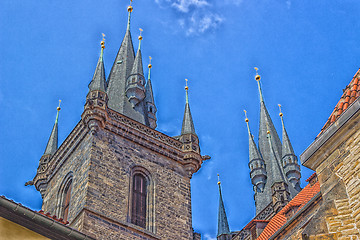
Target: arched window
[
  {"x": 64, "y": 197},
  {"x": 139, "y": 192},
  {"x": 66, "y": 200},
  {"x": 141, "y": 199}
]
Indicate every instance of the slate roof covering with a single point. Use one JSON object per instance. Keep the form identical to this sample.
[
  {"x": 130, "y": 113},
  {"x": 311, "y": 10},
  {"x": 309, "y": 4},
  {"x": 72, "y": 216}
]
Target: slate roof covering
[
  {"x": 52, "y": 144},
  {"x": 300, "y": 200},
  {"x": 99, "y": 82},
  {"x": 223, "y": 225},
  {"x": 187, "y": 124},
  {"x": 350, "y": 94}
]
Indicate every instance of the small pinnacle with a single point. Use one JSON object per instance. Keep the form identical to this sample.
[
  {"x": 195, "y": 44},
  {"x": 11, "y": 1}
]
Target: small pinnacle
[{"x": 218, "y": 180}]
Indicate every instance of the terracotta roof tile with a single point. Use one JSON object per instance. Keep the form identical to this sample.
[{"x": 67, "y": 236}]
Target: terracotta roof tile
[
  {"x": 350, "y": 94},
  {"x": 300, "y": 200}
]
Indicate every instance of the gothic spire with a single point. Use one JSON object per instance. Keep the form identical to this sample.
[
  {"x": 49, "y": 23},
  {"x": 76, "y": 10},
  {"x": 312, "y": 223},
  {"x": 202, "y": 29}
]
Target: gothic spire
[
  {"x": 119, "y": 73},
  {"x": 258, "y": 173},
  {"x": 135, "y": 89},
  {"x": 138, "y": 66},
  {"x": 253, "y": 150},
  {"x": 98, "y": 82},
  {"x": 52, "y": 144},
  {"x": 289, "y": 159},
  {"x": 223, "y": 225},
  {"x": 149, "y": 100},
  {"x": 188, "y": 124},
  {"x": 277, "y": 175},
  {"x": 265, "y": 125},
  {"x": 287, "y": 148}
]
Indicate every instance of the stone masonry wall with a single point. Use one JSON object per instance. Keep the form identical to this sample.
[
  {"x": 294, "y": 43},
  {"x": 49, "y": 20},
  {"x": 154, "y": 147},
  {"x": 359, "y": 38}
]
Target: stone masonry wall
[
  {"x": 112, "y": 158},
  {"x": 77, "y": 163},
  {"x": 339, "y": 177}
]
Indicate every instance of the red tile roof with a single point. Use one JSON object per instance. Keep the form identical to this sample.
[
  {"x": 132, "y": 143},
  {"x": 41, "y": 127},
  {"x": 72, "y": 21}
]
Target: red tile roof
[
  {"x": 350, "y": 94},
  {"x": 300, "y": 200}
]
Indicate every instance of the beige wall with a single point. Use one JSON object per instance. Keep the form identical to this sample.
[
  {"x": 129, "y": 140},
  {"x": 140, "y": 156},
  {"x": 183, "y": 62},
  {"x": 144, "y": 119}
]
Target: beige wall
[{"x": 12, "y": 231}]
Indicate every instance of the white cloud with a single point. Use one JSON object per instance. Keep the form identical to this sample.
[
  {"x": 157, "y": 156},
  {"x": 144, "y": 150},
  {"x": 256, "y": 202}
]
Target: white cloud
[
  {"x": 194, "y": 16},
  {"x": 235, "y": 2},
  {"x": 199, "y": 23},
  {"x": 184, "y": 5},
  {"x": 208, "y": 237},
  {"x": 288, "y": 4}
]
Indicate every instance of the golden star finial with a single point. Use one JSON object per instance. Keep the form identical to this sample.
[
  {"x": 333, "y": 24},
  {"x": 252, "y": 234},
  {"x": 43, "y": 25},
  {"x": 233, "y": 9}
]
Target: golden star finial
[
  {"x": 58, "y": 108},
  {"x": 140, "y": 37},
  {"x": 150, "y": 66},
  {"x": 257, "y": 76},
  {"x": 130, "y": 8},
  {"x": 246, "y": 119},
  {"x": 218, "y": 179},
  {"x": 280, "y": 114},
  {"x": 186, "y": 86},
  {"x": 103, "y": 40}
]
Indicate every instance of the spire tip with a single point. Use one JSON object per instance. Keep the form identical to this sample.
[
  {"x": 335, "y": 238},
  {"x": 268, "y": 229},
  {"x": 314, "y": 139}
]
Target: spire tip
[
  {"x": 150, "y": 66},
  {"x": 102, "y": 43},
  {"x": 218, "y": 179},
  {"x": 246, "y": 119},
  {"x": 58, "y": 108},
  {"x": 130, "y": 8},
  {"x": 280, "y": 114},
  {"x": 257, "y": 76}
]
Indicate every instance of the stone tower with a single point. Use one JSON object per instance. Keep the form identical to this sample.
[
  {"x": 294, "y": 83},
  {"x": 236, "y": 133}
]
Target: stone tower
[
  {"x": 115, "y": 176},
  {"x": 274, "y": 170}
]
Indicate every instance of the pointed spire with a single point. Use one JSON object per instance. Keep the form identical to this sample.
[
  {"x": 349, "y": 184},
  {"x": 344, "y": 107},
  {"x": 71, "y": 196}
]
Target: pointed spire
[
  {"x": 188, "y": 124},
  {"x": 277, "y": 175},
  {"x": 149, "y": 100},
  {"x": 52, "y": 144},
  {"x": 149, "y": 91},
  {"x": 119, "y": 73},
  {"x": 223, "y": 225},
  {"x": 98, "y": 82},
  {"x": 138, "y": 66},
  {"x": 253, "y": 150},
  {"x": 286, "y": 144},
  {"x": 266, "y": 124}
]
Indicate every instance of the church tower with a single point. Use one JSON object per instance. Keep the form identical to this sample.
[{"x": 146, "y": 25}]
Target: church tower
[
  {"x": 115, "y": 176},
  {"x": 274, "y": 170}
]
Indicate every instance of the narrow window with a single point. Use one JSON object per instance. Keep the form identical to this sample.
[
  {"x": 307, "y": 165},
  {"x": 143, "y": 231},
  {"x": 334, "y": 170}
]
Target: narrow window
[
  {"x": 66, "y": 200},
  {"x": 138, "y": 211}
]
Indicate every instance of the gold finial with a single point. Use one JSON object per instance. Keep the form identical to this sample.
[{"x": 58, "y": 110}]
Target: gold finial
[
  {"x": 280, "y": 114},
  {"x": 246, "y": 119},
  {"x": 140, "y": 37},
  {"x": 218, "y": 179},
  {"x": 186, "y": 87},
  {"x": 103, "y": 41},
  {"x": 150, "y": 66},
  {"x": 130, "y": 8},
  {"x": 257, "y": 76},
  {"x": 58, "y": 108},
  {"x": 267, "y": 127}
]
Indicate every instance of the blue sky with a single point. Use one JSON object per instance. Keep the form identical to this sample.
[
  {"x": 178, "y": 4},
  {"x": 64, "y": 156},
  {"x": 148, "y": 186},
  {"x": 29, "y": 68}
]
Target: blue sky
[{"x": 307, "y": 52}]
